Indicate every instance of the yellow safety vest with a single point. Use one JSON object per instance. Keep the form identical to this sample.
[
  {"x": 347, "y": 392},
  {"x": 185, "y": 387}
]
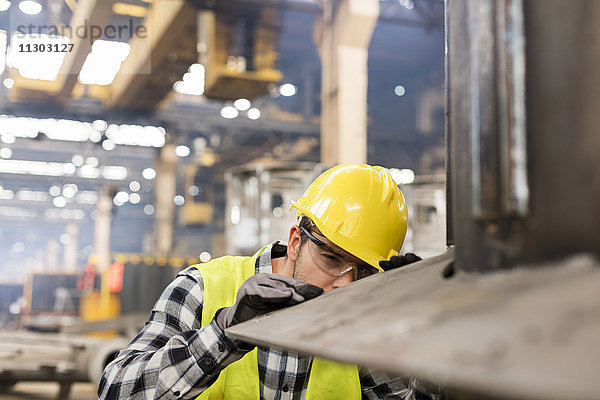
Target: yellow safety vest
[{"x": 328, "y": 380}]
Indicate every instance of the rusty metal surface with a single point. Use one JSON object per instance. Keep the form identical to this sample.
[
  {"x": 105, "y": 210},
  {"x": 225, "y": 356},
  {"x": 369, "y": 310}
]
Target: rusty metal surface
[{"x": 530, "y": 333}]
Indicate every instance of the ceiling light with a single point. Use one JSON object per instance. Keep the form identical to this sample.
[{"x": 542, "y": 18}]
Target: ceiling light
[
  {"x": 148, "y": 209},
  {"x": 115, "y": 173},
  {"x": 182, "y": 151},
  {"x": 17, "y": 212},
  {"x": 8, "y": 138},
  {"x": 69, "y": 190},
  {"x": 399, "y": 90},
  {"x": 122, "y": 197},
  {"x": 31, "y": 167},
  {"x": 59, "y": 201},
  {"x": 149, "y": 173},
  {"x": 254, "y": 113},
  {"x": 409, "y": 4},
  {"x": 32, "y": 195},
  {"x": 135, "y": 198},
  {"x": 30, "y": 7},
  {"x": 87, "y": 171},
  {"x": 36, "y": 65},
  {"x": 99, "y": 125},
  {"x": 103, "y": 62},
  {"x": 77, "y": 131},
  {"x": 192, "y": 82},
  {"x": 242, "y": 104},
  {"x": 287, "y": 90},
  {"x": 134, "y": 186},
  {"x": 6, "y": 194},
  {"x": 178, "y": 200},
  {"x": 229, "y": 112},
  {"x": 77, "y": 160},
  {"x": 8, "y": 83},
  {"x": 86, "y": 197},
  {"x": 108, "y": 145},
  {"x": 95, "y": 136},
  {"x": 194, "y": 190},
  {"x": 54, "y": 191},
  {"x": 69, "y": 169},
  {"x": 4, "y": 5},
  {"x": 150, "y": 136},
  {"x": 197, "y": 69},
  {"x": 91, "y": 161},
  {"x": 5, "y": 152}
]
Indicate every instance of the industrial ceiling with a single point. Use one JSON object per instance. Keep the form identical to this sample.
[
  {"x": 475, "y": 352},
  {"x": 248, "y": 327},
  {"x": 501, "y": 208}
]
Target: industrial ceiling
[{"x": 125, "y": 82}]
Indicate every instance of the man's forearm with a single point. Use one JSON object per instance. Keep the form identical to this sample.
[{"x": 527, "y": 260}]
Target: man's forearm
[
  {"x": 187, "y": 364},
  {"x": 173, "y": 352}
]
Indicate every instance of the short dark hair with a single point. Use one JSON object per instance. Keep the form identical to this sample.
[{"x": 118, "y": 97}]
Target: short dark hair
[{"x": 307, "y": 224}]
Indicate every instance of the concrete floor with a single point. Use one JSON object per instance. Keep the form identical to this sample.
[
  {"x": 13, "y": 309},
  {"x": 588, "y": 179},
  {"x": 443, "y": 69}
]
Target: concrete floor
[{"x": 48, "y": 391}]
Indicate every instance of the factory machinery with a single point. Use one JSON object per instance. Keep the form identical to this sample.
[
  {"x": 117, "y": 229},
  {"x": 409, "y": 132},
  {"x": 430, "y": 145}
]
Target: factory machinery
[{"x": 66, "y": 328}]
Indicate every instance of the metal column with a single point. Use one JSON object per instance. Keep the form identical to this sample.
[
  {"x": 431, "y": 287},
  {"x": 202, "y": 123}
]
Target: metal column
[
  {"x": 165, "y": 208},
  {"x": 102, "y": 230},
  {"x": 343, "y": 34},
  {"x": 70, "y": 249}
]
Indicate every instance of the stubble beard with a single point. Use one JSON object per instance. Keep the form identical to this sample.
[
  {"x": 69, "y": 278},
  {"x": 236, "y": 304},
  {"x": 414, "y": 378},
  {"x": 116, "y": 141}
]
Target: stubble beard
[{"x": 299, "y": 272}]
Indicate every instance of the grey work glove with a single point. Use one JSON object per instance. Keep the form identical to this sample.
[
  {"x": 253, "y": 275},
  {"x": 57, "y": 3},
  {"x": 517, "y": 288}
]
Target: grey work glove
[
  {"x": 399, "y": 261},
  {"x": 263, "y": 293}
]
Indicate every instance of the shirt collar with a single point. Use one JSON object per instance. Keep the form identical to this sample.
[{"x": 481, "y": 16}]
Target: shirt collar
[{"x": 264, "y": 264}]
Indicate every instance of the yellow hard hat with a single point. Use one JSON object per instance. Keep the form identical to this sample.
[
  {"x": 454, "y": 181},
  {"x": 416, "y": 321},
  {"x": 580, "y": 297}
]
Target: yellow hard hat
[{"x": 359, "y": 208}]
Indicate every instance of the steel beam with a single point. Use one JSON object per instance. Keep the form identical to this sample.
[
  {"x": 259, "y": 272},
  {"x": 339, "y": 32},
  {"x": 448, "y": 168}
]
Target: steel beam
[
  {"x": 87, "y": 13},
  {"x": 167, "y": 22}
]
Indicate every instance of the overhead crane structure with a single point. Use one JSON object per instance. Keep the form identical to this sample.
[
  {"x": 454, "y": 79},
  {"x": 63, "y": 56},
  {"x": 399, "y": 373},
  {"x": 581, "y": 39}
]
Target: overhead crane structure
[
  {"x": 146, "y": 77},
  {"x": 160, "y": 57},
  {"x": 177, "y": 33}
]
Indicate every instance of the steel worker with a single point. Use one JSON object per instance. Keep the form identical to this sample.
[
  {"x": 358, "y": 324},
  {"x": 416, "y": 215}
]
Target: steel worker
[{"x": 352, "y": 223}]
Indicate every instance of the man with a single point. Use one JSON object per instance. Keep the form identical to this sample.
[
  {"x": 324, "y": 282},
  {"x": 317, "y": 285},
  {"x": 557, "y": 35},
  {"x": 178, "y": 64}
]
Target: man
[{"x": 352, "y": 223}]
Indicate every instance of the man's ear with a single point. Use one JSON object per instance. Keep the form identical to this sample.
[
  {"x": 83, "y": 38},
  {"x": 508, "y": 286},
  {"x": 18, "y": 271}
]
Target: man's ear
[{"x": 293, "y": 243}]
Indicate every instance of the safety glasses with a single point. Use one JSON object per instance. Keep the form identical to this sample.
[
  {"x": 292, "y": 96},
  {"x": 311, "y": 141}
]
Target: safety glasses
[{"x": 333, "y": 263}]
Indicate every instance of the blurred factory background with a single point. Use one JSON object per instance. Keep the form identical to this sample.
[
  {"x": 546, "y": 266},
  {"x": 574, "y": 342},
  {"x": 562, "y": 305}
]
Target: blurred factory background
[
  {"x": 138, "y": 137},
  {"x": 102, "y": 118}
]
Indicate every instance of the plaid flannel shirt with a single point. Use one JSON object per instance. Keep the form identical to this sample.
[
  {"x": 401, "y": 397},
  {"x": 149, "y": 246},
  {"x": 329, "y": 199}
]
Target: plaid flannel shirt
[{"x": 174, "y": 357}]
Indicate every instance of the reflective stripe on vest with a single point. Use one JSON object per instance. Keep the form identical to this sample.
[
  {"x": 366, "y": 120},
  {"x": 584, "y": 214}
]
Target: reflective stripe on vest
[{"x": 328, "y": 380}]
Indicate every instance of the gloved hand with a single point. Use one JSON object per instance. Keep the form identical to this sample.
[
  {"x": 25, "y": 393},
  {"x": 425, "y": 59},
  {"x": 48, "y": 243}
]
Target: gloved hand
[
  {"x": 399, "y": 261},
  {"x": 263, "y": 293}
]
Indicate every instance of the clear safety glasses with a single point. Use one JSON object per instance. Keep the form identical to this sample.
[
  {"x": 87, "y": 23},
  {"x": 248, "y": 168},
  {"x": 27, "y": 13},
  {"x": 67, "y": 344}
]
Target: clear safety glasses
[{"x": 333, "y": 263}]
